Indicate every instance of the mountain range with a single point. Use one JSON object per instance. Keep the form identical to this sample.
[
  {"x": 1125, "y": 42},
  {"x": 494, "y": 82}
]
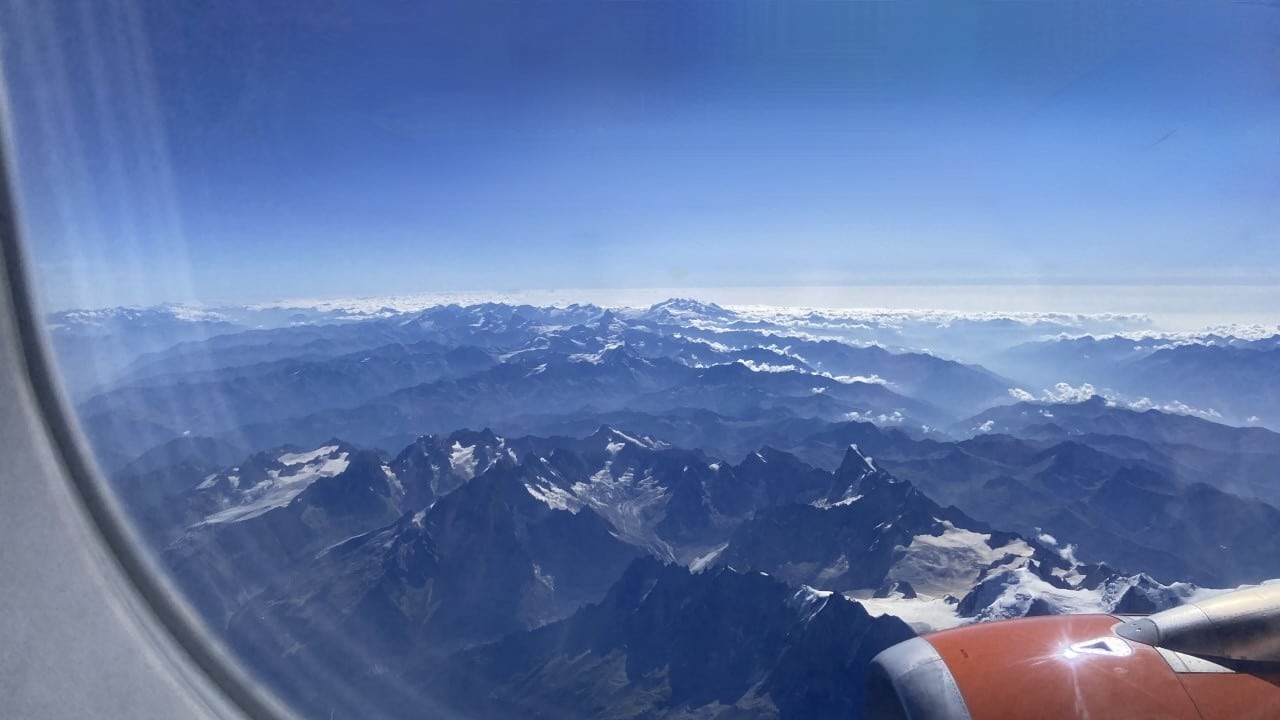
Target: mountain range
[
  {"x": 680, "y": 511},
  {"x": 387, "y": 574}
]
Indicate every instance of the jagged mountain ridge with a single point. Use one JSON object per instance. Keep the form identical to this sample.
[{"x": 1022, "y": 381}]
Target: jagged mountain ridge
[
  {"x": 674, "y": 504},
  {"x": 502, "y": 537}
]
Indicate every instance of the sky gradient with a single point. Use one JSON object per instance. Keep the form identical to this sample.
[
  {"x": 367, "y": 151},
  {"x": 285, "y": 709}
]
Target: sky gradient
[{"x": 250, "y": 151}]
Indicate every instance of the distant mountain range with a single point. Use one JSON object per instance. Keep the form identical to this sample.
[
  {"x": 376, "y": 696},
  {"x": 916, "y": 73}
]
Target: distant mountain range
[
  {"x": 1218, "y": 377},
  {"x": 382, "y": 382}
]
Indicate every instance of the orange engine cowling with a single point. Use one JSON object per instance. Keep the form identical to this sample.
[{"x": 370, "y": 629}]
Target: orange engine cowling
[{"x": 1092, "y": 666}]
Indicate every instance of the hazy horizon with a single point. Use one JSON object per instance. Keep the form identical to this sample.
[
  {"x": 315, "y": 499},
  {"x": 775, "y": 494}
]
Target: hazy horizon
[
  {"x": 1171, "y": 308},
  {"x": 1101, "y": 158}
]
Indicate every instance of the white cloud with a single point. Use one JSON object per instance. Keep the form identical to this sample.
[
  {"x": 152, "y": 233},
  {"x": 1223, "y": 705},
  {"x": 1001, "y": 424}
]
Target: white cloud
[
  {"x": 767, "y": 367},
  {"x": 1142, "y": 404},
  {"x": 1176, "y": 407},
  {"x": 1165, "y": 339},
  {"x": 717, "y": 346},
  {"x": 1068, "y": 553},
  {"x": 894, "y": 418},
  {"x": 1021, "y": 395},
  {"x": 872, "y": 379},
  {"x": 869, "y": 318},
  {"x": 1067, "y": 393},
  {"x": 786, "y": 350}
]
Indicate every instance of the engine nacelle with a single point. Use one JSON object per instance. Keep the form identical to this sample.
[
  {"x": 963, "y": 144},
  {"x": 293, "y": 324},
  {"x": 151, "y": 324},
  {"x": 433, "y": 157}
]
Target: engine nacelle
[{"x": 1212, "y": 660}]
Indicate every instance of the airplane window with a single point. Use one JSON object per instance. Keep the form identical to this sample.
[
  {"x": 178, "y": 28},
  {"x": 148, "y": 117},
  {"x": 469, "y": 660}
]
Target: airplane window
[{"x": 675, "y": 360}]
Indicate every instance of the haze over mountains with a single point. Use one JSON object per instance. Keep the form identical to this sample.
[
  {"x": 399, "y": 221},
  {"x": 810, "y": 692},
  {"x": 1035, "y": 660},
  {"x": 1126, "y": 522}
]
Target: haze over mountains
[{"x": 683, "y": 510}]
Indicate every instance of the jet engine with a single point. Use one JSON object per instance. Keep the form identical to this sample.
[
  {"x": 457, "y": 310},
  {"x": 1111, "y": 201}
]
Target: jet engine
[{"x": 1216, "y": 659}]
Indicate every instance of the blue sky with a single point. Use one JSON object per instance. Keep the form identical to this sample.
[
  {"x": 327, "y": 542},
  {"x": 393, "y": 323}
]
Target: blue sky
[{"x": 258, "y": 150}]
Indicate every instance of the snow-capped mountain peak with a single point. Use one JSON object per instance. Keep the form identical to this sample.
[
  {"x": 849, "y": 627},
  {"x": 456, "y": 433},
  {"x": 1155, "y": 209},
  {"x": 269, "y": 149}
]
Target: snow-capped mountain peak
[{"x": 271, "y": 480}]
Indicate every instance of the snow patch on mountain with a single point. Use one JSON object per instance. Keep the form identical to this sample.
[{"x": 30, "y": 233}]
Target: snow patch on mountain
[
  {"x": 702, "y": 562},
  {"x": 921, "y": 613},
  {"x": 212, "y": 479},
  {"x": 304, "y": 458},
  {"x": 849, "y": 499},
  {"x": 462, "y": 460},
  {"x": 281, "y": 485},
  {"x": 1011, "y": 594},
  {"x": 809, "y": 601},
  {"x": 944, "y": 564},
  {"x": 595, "y": 358},
  {"x": 553, "y": 496},
  {"x": 644, "y": 441},
  {"x": 1018, "y": 592},
  {"x": 630, "y": 504}
]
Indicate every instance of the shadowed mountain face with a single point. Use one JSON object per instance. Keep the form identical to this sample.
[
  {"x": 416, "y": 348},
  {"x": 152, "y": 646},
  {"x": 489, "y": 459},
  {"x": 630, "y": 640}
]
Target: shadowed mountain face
[
  {"x": 667, "y": 643},
  {"x": 860, "y": 540},
  {"x": 488, "y": 560},
  {"x": 529, "y": 540},
  {"x": 1141, "y": 505},
  {"x": 270, "y": 514},
  {"x": 510, "y": 549}
]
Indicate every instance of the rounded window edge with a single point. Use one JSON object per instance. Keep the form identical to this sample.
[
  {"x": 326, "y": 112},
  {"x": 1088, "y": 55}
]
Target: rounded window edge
[{"x": 147, "y": 589}]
